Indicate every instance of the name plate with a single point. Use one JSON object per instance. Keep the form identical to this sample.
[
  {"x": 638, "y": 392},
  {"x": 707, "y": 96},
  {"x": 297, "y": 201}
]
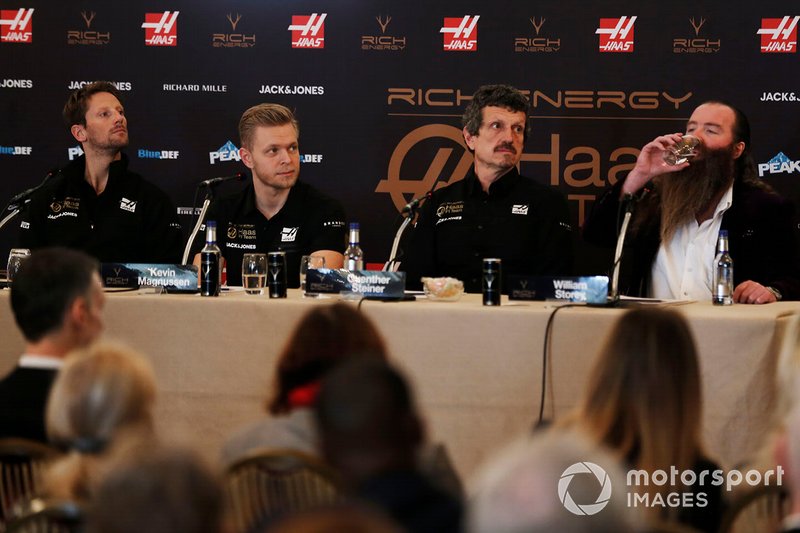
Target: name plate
[
  {"x": 584, "y": 289},
  {"x": 173, "y": 278},
  {"x": 368, "y": 283}
]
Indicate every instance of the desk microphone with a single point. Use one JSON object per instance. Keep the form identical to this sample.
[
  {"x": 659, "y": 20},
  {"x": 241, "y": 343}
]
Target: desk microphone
[
  {"x": 413, "y": 204},
  {"x": 239, "y": 176},
  {"x": 24, "y": 197}
]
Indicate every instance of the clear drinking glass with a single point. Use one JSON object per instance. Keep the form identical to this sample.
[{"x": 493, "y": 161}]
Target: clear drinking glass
[
  {"x": 254, "y": 273},
  {"x": 15, "y": 259},
  {"x": 682, "y": 151},
  {"x": 308, "y": 262}
]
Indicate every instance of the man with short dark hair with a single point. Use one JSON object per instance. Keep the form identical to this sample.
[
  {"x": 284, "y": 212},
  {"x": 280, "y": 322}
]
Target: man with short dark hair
[
  {"x": 57, "y": 301},
  {"x": 672, "y": 239},
  {"x": 276, "y": 212},
  {"x": 494, "y": 212},
  {"x": 96, "y": 204}
]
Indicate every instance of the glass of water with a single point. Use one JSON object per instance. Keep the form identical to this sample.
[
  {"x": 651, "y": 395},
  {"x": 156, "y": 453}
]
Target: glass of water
[
  {"x": 308, "y": 262},
  {"x": 254, "y": 273},
  {"x": 15, "y": 259},
  {"x": 682, "y": 151}
]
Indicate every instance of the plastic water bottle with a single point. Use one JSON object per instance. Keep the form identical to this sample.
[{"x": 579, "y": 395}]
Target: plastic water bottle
[
  {"x": 353, "y": 255},
  {"x": 210, "y": 275},
  {"x": 722, "y": 290}
]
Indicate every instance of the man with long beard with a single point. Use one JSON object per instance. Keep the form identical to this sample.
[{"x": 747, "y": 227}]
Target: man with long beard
[
  {"x": 682, "y": 208},
  {"x": 95, "y": 204}
]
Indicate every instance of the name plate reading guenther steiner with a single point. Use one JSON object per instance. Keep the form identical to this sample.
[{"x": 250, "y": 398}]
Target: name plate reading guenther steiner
[
  {"x": 369, "y": 283},
  {"x": 584, "y": 289},
  {"x": 173, "y": 278}
]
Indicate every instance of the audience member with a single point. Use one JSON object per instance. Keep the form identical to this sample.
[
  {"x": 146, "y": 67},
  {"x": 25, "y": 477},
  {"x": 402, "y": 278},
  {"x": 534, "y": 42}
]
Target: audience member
[
  {"x": 644, "y": 402},
  {"x": 166, "y": 490},
  {"x": 57, "y": 300},
  {"x": 519, "y": 490},
  {"x": 322, "y": 339},
  {"x": 370, "y": 432},
  {"x": 102, "y": 397}
]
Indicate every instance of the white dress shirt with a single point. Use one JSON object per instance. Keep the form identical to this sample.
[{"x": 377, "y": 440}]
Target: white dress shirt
[{"x": 682, "y": 269}]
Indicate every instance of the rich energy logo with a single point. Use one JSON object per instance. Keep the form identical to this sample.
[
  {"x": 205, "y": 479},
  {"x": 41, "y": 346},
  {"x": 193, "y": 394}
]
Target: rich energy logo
[
  {"x": 696, "y": 44},
  {"x": 780, "y": 164},
  {"x": 226, "y": 152},
  {"x": 161, "y": 29},
  {"x": 233, "y": 40},
  {"x": 566, "y": 99},
  {"x": 308, "y": 31},
  {"x": 538, "y": 43},
  {"x": 144, "y": 153},
  {"x": 16, "y": 25},
  {"x": 15, "y": 150},
  {"x": 460, "y": 33},
  {"x": 616, "y": 35},
  {"x": 383, "y": 41},
  {"x": 88, "y": 36},
  {"x": 778, "y": 35}
]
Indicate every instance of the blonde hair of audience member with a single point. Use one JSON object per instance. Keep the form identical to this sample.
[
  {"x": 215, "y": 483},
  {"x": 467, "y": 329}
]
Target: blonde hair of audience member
[
  {"x": 102, "y": 396},
  {"x": 643, "y": 400},
  {"x": 518, "y": 489},
  {"x": 324, "y": 337}
]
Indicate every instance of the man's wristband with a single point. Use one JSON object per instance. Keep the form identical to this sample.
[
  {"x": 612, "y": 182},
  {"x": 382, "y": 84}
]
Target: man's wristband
[{"x": 776, "y": 292}]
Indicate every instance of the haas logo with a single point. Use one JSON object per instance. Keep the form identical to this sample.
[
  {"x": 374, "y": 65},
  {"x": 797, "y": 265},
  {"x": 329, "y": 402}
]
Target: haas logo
[
  {"x": 16, "y": 26},
  {"x": 161, "y": 29}
]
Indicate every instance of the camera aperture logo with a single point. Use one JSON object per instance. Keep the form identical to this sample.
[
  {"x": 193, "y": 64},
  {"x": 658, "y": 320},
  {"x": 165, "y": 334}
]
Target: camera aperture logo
[{"x": 584, "y": 509}]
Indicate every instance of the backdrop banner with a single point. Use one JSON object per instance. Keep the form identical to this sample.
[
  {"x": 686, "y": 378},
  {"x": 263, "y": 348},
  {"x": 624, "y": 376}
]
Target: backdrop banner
[{"x": 379, "y": 88}]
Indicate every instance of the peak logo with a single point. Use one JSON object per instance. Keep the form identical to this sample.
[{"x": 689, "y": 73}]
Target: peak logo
[
  {"x": 233, "y": 40},
  {"x": 779, "y": 36},
  {"x": 780, "y": 164},
  {"x": 460, "y": 33},
  {"x": 226, "y": 152},
  {"x": 696, "y": 44},
  {"x": 383, "y": 41},
  {"x": 616, "y": 35},
  {"x": 538, "y": 43},
  {"x": 308, "y": 31},
  {"x": 161, "y": 29},
  {"x": 16, "y": 25}
]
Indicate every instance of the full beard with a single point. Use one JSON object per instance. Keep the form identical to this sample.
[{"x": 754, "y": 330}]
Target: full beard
[{"x": 688, "y": 192}]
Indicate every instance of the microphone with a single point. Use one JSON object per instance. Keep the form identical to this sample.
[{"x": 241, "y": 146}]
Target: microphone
[
  {"x": 239, "y": 176},
  {"x": 413, "y": 204},
  {"x": 24, "y": 196}
]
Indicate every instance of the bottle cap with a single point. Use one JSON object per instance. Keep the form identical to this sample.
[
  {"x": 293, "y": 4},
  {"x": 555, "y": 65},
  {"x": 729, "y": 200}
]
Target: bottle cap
[
  {"x": 211, "y": 223},
  {"x": 354, "y": 225},
  {"x": 723, "y": 233}
]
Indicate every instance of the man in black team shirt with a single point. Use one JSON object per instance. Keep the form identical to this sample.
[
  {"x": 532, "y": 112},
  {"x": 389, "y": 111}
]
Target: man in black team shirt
[
  {"x": 95, "y": 203},
  {"x": 276, "y": 212}
]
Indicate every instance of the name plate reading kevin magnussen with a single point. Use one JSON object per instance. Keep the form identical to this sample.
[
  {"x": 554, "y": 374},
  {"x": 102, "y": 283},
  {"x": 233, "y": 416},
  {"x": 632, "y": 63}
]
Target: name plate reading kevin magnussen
[
  {"x": 369, "y": 283},
  {"x": 173, "y": 278}
]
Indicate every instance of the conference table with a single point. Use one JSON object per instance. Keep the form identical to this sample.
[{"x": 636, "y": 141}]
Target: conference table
[{"x": 476, "y": 371}]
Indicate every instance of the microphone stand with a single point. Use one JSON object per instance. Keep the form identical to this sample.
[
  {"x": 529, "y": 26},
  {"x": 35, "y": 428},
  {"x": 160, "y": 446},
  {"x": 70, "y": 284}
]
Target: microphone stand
[
  {"x": 20, "y": 200},
  {"x": 613, "y": 293},
  {"x": 200, "y": 219},
  {"x": 393, "y": 264}
]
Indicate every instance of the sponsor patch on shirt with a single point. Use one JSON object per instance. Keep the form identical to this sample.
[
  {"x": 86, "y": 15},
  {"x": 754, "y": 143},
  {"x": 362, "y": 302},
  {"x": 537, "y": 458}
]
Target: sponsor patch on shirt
[
  {"x": 449, "y": 208},
  {"x": 127, "y": 205},
  {"x": 25, "y": 225},
  {"x": 519, "y": 209},
  {"x": 289, "y": 234}
]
